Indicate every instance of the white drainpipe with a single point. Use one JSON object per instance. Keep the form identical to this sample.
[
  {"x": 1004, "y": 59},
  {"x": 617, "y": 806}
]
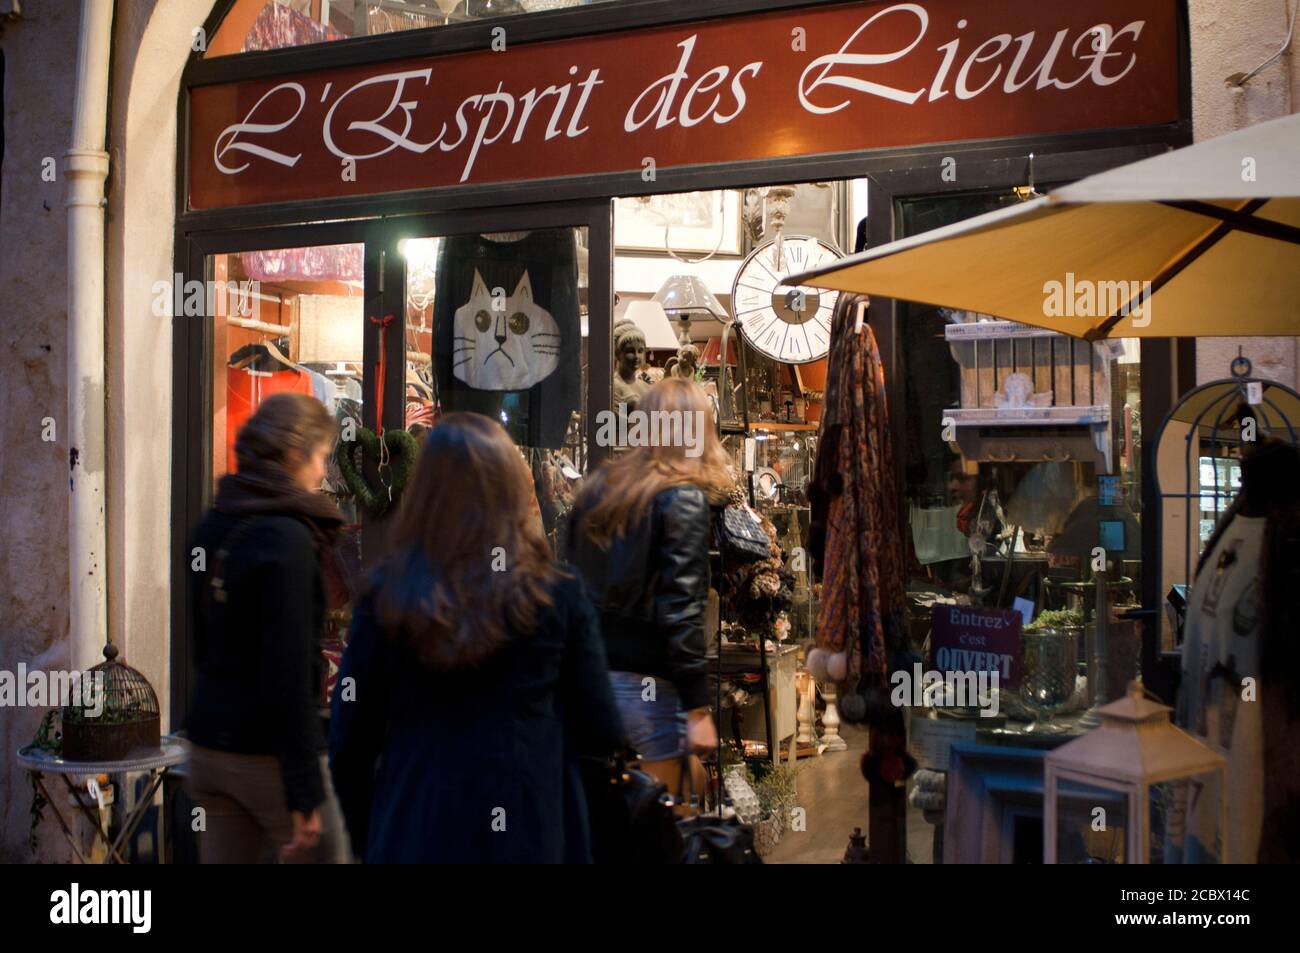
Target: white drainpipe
[{"x": 86, "y": 167}]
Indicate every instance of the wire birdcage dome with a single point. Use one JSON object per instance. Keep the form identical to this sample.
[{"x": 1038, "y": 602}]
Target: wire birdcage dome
[
  {"x": 116, "y": 715},
  {"x": 1197, "y": 481}
]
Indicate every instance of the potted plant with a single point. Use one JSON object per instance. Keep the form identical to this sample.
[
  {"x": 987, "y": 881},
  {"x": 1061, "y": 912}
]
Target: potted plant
[
  {"x": 775, "y": 788},
  {"x": 1049, "y": 655}
]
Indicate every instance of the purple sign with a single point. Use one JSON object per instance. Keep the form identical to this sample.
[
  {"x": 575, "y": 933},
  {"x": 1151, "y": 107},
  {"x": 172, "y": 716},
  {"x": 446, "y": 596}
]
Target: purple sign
[{"x": 972, "y": 639}]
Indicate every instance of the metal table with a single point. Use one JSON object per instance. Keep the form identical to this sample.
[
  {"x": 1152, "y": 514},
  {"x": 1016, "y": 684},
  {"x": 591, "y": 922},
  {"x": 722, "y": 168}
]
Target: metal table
[{"x": 40, "y": 762}]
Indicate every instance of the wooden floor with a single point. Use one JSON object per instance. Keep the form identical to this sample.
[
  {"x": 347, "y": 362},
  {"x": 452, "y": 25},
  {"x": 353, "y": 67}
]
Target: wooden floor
[{"x": 833, "y": 793}]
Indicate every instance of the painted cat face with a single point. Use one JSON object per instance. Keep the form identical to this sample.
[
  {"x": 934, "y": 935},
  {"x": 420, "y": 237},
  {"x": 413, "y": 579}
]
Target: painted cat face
[{"x": 510, "y": 348}]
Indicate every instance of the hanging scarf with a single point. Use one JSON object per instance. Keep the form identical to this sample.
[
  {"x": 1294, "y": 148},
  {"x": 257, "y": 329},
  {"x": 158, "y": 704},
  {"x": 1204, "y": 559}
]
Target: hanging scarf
[{"x": 855, "y": 537}]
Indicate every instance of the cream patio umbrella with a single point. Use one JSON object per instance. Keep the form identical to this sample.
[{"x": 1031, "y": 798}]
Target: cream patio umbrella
[{"x": 1203, "y": 240}]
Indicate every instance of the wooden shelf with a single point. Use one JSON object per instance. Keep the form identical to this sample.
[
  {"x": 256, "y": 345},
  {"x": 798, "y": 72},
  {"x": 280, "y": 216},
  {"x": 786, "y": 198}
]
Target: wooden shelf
[{"x": 776, "y": 425}]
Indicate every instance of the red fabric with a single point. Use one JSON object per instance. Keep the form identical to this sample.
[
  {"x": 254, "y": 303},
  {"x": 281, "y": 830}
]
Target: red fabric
[
  {"x": 964, "y": 517},
  {"x": 382, "y": 371},
  {"x": 278, "y": 26},
  {"x": 315, "y": 263},
  {"x": 245, "y": 391}
]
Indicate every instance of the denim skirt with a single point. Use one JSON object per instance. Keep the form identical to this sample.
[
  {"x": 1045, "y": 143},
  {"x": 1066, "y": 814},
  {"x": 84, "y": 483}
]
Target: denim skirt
[{"x": 652, "y": 715}]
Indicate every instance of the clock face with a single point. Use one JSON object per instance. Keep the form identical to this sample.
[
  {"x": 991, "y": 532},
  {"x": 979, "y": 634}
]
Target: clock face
[{"x": 789, "y": 323}]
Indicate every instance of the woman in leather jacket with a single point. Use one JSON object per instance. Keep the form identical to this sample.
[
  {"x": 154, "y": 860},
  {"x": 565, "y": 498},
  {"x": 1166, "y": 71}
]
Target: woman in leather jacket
[{"x": 639, "y": 535}]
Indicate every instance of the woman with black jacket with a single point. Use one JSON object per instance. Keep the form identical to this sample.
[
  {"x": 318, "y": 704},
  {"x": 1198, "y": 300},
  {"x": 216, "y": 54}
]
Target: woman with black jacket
[
  {"x": 257, "y": 601},
  {"x": 639, "y": 534},
  {"x": 474, "y": 677}
]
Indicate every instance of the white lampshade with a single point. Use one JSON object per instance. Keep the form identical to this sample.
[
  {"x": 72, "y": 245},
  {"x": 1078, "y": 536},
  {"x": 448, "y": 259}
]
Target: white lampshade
[
  {"x": 650, "y": 317},
  {"x": 689, "y": 294}
]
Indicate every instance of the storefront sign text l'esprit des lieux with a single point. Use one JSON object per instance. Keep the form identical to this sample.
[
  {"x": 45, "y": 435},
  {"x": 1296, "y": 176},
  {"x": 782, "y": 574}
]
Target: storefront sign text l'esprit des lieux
[{"x": 776, "y": 85}]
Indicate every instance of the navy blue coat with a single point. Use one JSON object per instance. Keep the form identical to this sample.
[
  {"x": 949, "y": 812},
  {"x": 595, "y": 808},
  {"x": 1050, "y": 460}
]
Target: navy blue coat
[{"x": 478, "y": 765}]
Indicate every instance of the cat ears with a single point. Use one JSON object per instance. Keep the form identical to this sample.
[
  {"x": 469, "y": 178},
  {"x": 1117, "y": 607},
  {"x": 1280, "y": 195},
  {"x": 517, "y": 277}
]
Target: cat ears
[
  {"x": 522, "y": 290},
  {"x": 479, "y": 290}
]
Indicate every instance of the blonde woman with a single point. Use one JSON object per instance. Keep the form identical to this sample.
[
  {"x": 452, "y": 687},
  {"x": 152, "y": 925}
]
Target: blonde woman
[{"x": 639, "y": 534}]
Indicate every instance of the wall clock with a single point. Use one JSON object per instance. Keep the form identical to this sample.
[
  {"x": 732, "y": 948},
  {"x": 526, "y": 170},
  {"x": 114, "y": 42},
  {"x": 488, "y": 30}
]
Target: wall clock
[{"x": 788, "y": 323}]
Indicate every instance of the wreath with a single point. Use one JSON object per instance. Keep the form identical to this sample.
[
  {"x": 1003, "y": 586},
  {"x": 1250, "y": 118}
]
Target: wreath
[{"x": 402, "y": 450}]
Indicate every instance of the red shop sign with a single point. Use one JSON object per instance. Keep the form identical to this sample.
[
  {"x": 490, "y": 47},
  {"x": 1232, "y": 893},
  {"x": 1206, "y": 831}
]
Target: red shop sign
[{"x": 775, "y": 85}]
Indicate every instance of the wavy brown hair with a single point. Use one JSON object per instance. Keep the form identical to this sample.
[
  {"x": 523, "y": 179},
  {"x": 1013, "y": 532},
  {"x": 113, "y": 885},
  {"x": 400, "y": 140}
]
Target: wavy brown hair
[
  {"x": 617, "y": 497},
  {"x": 469, "y": 562},
  {"x": 284, "y": 428}
]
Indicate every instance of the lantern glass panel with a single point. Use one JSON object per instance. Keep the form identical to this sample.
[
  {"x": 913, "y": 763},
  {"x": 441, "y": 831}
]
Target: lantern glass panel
[
  {"x": 1185, "y": 820},
  {"x": 1092, "y": 824}
]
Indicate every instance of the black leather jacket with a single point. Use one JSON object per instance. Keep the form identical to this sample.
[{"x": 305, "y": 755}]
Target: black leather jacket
[{"x": 651, "y": 590}]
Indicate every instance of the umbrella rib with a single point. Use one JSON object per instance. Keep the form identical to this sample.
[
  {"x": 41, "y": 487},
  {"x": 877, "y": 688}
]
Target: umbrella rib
[
  {"x": 1174, "y": 269},
  {"x": 1242, "y": 221}
]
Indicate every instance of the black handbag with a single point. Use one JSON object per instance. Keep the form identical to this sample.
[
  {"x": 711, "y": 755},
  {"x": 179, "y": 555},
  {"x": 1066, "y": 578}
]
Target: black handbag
[
  {"x": 631, "y": 813},
  {"x": 711, "y": 839},
  {"x": 707, "y": 839},
  {"x": 740, "y": 536}
]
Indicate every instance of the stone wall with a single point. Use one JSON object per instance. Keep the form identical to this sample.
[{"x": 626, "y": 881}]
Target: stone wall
[
  {"x": 38, "y": 95},
  {"x": 1229, "y": 37}
]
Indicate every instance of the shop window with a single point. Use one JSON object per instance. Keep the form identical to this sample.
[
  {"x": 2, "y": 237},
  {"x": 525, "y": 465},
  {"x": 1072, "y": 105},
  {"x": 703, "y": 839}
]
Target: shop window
[
  {"x": 1004, "y": 503},
  {"x": 292, "y": 320},
  {"x": 496, "y": 324},
  {"x": 285, "y": 319},
  {"x": 276, "y": 24}
]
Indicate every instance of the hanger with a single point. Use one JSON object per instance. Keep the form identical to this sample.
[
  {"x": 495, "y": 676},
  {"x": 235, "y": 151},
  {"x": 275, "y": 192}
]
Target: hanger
[
  {"x": 859, "y": 321},
  {"x": 250, "y": 354},
  {"x": 415, "y": 380}
]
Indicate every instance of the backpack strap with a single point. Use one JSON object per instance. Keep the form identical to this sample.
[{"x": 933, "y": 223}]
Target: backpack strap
[{"x": 217, "y": 576}]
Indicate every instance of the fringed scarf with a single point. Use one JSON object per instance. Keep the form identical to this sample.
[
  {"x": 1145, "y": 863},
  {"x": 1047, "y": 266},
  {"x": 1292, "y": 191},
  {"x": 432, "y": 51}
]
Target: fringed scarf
[{"x": 856, "y": 538}]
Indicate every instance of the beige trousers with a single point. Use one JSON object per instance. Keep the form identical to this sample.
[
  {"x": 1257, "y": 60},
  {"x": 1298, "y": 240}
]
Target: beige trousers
[{"x": 245, "y": 820}]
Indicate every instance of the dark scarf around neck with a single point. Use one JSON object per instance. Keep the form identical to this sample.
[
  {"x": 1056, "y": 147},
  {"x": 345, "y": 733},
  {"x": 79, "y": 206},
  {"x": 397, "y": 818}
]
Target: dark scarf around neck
[{"x": 269, "y": 490}]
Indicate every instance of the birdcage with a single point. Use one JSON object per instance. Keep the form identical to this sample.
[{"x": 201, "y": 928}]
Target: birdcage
[
  {"x": 1198, "y": 456},
  {"x": 114, "y": 716}
]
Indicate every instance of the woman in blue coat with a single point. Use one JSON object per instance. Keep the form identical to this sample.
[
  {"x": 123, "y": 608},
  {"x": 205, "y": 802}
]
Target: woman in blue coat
[{"x": 474, "y": 675}]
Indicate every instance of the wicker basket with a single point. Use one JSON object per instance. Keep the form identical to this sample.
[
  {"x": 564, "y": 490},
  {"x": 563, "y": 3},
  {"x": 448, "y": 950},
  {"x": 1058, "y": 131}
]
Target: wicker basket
[{"x": 767, "y": 834}]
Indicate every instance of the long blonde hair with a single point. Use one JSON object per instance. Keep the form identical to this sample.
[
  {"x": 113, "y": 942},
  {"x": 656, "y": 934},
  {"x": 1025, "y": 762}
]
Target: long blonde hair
[{"x": 617, "y": 497}]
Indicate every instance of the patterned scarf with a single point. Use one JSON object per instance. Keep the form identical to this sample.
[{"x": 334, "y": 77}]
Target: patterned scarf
[{"x": 856, "y": 537}]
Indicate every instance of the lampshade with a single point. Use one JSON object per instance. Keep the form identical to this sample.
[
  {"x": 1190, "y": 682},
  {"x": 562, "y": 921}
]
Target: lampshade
[
  {"x": 649, "y": 316},
  {"x": 712, "y": 353},
  {"x": 689, "y": 294}
]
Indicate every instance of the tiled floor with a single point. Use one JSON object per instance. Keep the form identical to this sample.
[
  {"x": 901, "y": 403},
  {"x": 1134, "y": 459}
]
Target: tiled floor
[{"x": 834, "y": 795}]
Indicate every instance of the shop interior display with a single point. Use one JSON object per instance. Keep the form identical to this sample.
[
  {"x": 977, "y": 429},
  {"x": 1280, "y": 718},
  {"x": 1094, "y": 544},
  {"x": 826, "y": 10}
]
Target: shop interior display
[{"x": 698, "y": 274}]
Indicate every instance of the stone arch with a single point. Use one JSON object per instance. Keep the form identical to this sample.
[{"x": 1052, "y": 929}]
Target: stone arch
[{"x": 151, "y": 45}]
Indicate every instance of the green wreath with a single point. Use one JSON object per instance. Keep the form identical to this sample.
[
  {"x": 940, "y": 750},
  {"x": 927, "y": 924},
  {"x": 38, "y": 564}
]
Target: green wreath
[{"x": 402, "y": 451}]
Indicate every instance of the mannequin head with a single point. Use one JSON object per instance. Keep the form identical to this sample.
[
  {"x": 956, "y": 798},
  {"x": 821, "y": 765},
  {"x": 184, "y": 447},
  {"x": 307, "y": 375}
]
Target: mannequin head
[{"x": 629, "y": 349}]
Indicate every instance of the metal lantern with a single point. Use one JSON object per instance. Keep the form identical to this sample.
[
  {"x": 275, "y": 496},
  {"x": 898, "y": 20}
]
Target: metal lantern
[
  {"x": 1134, "y": 789},
  {"x": 124, "y": 719}
]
